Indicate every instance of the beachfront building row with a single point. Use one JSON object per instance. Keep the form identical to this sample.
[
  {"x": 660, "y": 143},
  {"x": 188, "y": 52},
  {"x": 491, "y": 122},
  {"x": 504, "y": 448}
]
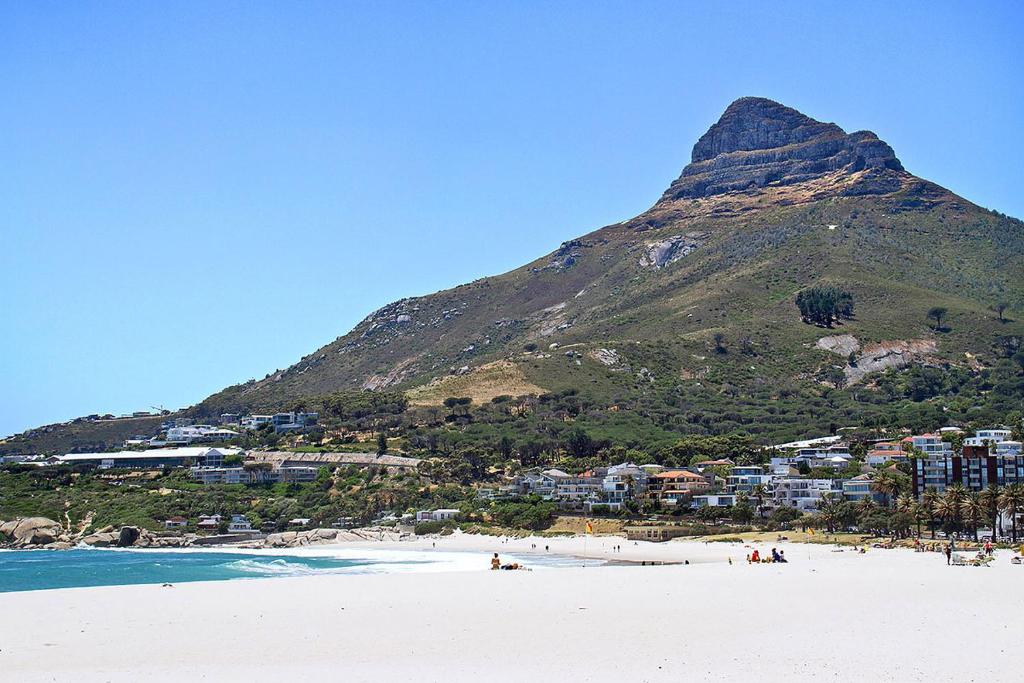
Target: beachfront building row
[{"x": 615, "y": 486}]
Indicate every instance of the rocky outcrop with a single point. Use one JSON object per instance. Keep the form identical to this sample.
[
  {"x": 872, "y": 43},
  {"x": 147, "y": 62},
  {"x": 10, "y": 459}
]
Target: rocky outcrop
[
  {"x": 896, "y": 353},
  {"x": 127, "y": 536},
  {"x": 669, "y": 250},
  {"x": 291, "y": 539},
  {"x": 841, "y": 344},
  {"x": 134, "y": 537},
  {"x": 104, "y": 539},
  {"x": 31, "y": 531},
  {"x": 758, "y": 142}
]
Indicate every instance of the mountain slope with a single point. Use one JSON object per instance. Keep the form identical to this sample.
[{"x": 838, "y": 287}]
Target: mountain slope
[{"x": 772, "y": 202}]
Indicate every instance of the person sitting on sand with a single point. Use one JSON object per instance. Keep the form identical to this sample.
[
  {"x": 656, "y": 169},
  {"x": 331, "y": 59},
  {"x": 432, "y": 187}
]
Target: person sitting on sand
[
  {"x": 782, "y": 556},
  {"x": 775, "y": 556},
  {"x": 755, "y": 557},
  {"x": 495, "y": 562}
]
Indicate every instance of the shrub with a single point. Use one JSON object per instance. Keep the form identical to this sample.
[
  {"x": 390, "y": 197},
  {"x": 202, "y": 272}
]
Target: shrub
[{"x": 432, "y": 527}]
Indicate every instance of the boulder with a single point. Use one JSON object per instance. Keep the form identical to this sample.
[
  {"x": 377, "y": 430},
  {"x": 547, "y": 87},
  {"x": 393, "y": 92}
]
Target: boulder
[
  {"x": 32, "y": 531},
  {"x": 59, "y": 545},
  {"x": 127, "y": 536},
  {"x": 281, "y": 540},
  {"x": 102, "y": 539}
]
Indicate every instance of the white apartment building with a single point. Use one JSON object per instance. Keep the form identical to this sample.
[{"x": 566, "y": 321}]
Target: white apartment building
[{"x": 803, "y": 494}]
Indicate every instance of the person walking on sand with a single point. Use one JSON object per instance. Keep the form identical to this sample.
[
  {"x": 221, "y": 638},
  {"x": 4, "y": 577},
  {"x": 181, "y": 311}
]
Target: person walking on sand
[
  {"x": 949, "y": 554},
  {"x": 495, "y": 562}
]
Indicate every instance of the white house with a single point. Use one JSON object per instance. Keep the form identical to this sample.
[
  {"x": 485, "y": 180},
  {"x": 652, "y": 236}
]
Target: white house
[
  {"x": 715, "y": 500},
  {"x": 931, "y": 445},
  {"x": 239, "y": 524},
  {"x": 984, "y": 437},
  {"x": 198, "y": 433},
  {"x": 803, "y": 494}
]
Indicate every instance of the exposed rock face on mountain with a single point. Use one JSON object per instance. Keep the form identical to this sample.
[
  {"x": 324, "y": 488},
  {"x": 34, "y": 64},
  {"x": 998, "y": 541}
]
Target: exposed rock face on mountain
[{"x": 758, "y": 142}]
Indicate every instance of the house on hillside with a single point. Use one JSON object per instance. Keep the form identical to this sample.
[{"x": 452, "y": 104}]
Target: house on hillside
[
  {"x": 240, "y": 524},
  {"x": 209, "y": 522},
  {"x": 884, "y": 453},
  {"x": 175, "y": 523},
  {"x": 673, "y": 486}
]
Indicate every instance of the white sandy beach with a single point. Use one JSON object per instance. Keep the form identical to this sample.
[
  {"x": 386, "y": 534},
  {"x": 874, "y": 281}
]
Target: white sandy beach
[{"x": 884, "y": 616}]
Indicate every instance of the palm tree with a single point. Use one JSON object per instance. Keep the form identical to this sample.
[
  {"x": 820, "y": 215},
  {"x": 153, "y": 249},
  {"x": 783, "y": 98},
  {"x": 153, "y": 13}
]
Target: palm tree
[
  {"x": 865, "y": 506},
  {"x": 973, "y": 512},
  {"x": 948, "y": 510},
  {"x": 929, "y": 501},
  {"x": 890, "y": 483},
  {"x": 958, "y": 494},
  {"x": 990, "y": 502},
  {"x": 1011, "y": 501},
  {"x": 905, "y": 503},
  {"x": 920, "y": 514},
  {"x": 830, "y": 510},
  {"x": 759, "y": 492}
]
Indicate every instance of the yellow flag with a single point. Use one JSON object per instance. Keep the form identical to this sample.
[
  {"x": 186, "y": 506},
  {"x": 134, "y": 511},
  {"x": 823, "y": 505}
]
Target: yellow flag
[{"x": 590, "y": 528}]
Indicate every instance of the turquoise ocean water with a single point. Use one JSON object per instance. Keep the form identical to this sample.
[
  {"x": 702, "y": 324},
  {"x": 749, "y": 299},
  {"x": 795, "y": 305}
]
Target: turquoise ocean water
[
  {"x": 42, "y": 569},
  {"x": 26, "y": 570}
]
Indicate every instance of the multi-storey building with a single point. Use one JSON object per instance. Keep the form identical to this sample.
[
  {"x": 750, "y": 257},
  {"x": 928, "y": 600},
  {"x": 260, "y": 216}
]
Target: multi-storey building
[
  {"x": 804, "y": 494},
  {"x": 743, "y": 479},
  {"x": 976, "y": 468}
]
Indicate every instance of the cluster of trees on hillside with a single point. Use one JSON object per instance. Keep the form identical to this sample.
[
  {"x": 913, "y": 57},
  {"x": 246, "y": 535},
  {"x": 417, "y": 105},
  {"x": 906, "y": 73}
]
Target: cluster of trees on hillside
[{"x": 824, "y": 304}]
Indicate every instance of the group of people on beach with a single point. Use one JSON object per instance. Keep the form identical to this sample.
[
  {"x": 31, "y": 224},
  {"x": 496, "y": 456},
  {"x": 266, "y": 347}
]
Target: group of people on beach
[
  {"x": 496, "y": 564},
  {"x": 776, "y": 556}
]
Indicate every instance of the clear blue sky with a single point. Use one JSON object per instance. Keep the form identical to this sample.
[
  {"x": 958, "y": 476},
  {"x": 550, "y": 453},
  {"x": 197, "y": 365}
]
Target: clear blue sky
[{"x": 194, "y": 194}]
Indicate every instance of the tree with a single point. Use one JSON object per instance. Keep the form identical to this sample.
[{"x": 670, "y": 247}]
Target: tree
[
  {"x": 742, "y": 513},
  {"x": 920, "y": 514},
  {"x": 579, "y": 443},
  {"x": 382, "y": 443},
  {"x": 1011, "y": 501},
  {"x": 929, "y": 501},
  {"x": 999, "y": 308},
  {"x": 830, "y": 509},
  {"x": 989, "y": 499},
  {"x": 823, "y": 304},
  {"x": 947, "y": 509},
  {"x": 758, "y": 493},
  {"x": 973, "y": 512},
  {"x": 937, "y": 313},
  {"x": 890, "y": 483},
  {"x": 719, "y": 339}
]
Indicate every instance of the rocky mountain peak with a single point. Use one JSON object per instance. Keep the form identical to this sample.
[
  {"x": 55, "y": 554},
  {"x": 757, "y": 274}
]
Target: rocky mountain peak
[{"x": 758, "y": 142}]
